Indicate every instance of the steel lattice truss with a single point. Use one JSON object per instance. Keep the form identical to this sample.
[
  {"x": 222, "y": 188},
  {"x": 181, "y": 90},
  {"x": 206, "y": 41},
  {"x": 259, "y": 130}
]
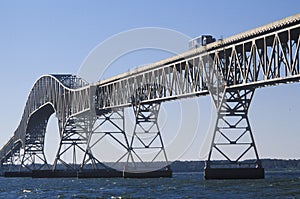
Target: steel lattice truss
[{"x": 264, "y": 56}]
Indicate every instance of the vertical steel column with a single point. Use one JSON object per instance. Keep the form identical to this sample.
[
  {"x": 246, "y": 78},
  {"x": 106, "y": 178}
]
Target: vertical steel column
[
  {"x": 88, "y": 156},
  {"x": 146, "y": 145}
]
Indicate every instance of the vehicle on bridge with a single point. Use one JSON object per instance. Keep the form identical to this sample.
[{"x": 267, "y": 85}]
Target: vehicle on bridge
[{"x": 202, "y": 40}]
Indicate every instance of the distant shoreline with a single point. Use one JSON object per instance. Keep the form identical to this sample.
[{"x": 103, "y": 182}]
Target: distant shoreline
[{"x": 268, "y": 165}]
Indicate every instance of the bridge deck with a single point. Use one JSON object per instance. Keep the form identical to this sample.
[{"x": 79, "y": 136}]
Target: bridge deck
[
  {"x": 268, "y": 55},
  {"x": 280, "y": 24}
]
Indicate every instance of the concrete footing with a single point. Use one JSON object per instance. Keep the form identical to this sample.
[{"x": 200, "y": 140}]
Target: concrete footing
[
  {"x": 104, "y": 173},
  {"x": 151, "y": 174},
  {"x": 234, "y": 173},
  {"x": 53, "y": 174},
  {"x": 13, "y": 174}
]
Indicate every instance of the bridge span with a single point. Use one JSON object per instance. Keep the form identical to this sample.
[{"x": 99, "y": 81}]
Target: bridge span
[{"x": 229, "y": 70}]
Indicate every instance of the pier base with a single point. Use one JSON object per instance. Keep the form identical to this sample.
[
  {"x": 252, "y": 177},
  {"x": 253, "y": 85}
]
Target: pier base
[
  {"x": 234, "y": 173},
  {"x": 16, "y": 174},
  {"x": 100, "y": 173},
  {"x": 54, "y": 174},
  {"x": 151, "y": 174}
]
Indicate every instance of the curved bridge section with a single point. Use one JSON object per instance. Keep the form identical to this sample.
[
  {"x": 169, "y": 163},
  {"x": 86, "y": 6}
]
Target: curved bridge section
[{"x": 65, "y": 95}]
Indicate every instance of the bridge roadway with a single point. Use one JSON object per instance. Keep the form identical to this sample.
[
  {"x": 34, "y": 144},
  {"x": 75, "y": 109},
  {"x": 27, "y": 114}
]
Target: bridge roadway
[{"x": 229, "y": 70}]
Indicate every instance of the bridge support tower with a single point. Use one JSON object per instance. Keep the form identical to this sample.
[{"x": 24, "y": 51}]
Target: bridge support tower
[
  {"x": 233, "y": 142},
  {"x": 34, "y": 152},
  {"x": 147, "y": 152},
  {"x": 73, "y": 143},
  {"x": 107, "y": 129}
]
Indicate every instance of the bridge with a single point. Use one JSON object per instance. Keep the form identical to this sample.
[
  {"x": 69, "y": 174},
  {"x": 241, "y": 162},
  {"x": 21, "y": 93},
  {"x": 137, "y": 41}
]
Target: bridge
[{"x": 229, "y": 70}]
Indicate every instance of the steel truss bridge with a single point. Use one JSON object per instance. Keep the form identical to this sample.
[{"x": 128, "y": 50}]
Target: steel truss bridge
[{"x": 229, "y": 70}]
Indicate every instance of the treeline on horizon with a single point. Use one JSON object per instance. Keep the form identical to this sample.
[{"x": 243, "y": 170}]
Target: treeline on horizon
[{"x": 268, "y": 165}]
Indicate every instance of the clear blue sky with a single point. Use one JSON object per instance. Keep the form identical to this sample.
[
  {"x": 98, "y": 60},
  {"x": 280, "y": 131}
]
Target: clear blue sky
[{"x": 43, "y": 37}]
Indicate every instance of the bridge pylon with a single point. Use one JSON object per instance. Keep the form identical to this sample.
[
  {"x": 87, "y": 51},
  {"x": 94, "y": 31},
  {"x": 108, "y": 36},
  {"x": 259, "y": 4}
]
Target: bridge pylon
[
  {"x": 147, "y": 150},
  {"x": 233, "y": 142},
  {"x": 73, "y": 143},
  {"x": 32, "y": 155},
  {"x": 106, "y": 130}
]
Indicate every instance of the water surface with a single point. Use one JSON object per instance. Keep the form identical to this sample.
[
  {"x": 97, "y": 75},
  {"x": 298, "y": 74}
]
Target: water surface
[{"x": 182, "y": 185}]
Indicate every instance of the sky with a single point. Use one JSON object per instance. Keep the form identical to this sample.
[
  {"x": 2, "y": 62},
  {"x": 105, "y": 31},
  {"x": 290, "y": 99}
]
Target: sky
[{"x": 47, "y": 37}]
